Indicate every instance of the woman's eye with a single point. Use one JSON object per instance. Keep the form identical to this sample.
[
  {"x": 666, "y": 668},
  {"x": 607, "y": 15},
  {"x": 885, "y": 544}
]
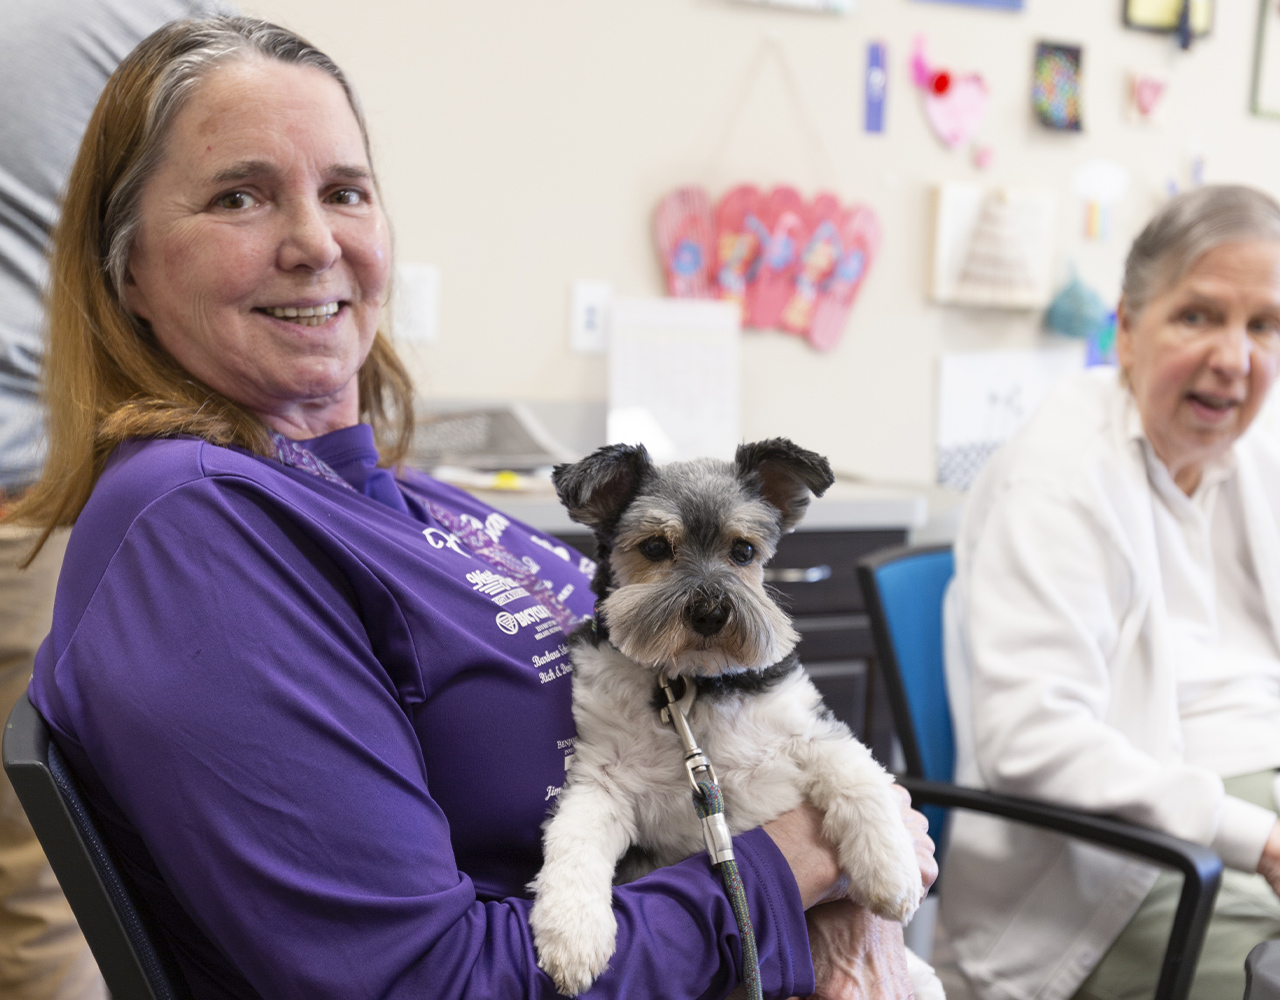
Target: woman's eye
[
  {"x": 1264, "y": 327},
  {"x": 347, "y": 196},
  {"x": 742, "y": 552},
  {"x": 235, "y": 200},
  {"x": 1192, "y": 317},
  {"x": 656, "y": 549}
]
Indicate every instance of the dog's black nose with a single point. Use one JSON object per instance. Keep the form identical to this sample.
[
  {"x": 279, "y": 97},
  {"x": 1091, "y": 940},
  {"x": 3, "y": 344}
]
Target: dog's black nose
[{"x": 707, "y": 617}]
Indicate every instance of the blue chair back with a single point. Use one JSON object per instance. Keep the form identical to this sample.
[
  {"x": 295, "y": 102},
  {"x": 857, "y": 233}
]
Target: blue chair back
[{"x": 903, "y": 589}]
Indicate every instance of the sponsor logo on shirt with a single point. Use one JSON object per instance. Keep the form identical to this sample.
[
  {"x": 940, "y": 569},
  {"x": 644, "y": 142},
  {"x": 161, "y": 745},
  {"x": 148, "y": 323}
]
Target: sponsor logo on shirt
[
  {"x": 512, "y": 622},
  {"x": 501, "y": 589}
]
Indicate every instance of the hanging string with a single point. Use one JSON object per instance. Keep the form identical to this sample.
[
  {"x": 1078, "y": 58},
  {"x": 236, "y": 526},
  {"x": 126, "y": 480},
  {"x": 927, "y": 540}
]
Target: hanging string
[{"x": 771, "y": 50}]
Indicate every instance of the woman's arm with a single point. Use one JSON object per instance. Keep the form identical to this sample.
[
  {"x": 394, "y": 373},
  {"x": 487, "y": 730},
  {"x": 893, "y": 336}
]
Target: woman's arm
[{"x": 221, "y": 682}]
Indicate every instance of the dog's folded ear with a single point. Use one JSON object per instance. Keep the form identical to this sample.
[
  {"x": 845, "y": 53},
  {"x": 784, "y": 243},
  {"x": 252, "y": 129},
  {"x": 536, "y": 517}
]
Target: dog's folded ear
[
  {"x": 596, "y": 490},
  {"x": 783, "y": 474}
]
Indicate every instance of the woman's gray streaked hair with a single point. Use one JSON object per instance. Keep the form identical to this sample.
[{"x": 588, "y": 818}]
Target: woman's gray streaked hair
[
  {"x": 198, "y": 46},
  {"x": 1187, "y": 227}
]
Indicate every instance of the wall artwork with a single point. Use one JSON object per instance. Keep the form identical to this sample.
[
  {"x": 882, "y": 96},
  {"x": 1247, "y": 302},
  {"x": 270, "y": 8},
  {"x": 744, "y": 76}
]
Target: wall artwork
[
  {"x": 1187, "y": 19},
  {"x": 993, "y": 247},
  {"x": 984, "y": 397},
  {"x": 1146, "y": 96},
  {"x": 1055, "y": 86},
  {"x": 789, "y": 264},
  {"x": 877, "y": 87},
  {"x": 1266, "y": 66},
  {"x": 955, "y": 104}
]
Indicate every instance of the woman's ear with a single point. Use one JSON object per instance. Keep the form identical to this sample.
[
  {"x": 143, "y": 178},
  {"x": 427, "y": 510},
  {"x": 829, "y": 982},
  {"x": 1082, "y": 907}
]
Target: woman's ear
[
  {"x": 1124, "y": 338},
  {"x": 134, "y": 302}
]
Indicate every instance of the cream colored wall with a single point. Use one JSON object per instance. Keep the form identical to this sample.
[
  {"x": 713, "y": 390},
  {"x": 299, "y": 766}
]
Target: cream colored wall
[{"x": 523, "y": 145}]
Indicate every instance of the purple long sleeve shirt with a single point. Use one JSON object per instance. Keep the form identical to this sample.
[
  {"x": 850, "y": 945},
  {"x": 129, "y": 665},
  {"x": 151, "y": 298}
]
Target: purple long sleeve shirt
[{"x": 321, "y": 736}]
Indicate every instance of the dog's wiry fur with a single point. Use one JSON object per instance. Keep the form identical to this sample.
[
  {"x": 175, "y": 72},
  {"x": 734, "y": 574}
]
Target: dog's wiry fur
[{"x": 681, "y": 592}]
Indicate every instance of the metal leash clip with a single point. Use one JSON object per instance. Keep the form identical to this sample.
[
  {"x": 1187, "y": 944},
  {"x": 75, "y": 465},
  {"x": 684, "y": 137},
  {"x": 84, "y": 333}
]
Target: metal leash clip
[{"x": 715, "y": 831}]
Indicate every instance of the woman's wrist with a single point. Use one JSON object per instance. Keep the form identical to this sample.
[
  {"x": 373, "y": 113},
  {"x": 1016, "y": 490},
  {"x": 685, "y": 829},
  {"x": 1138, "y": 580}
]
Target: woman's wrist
[{"x": 811, "y": 857}]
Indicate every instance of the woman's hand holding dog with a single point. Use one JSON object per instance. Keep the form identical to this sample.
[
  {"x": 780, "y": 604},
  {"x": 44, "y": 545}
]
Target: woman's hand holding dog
[
  {"x": 856, "y": 954},
  {"x": 798, "y": 834},
  {"x": 919, "y": 827},
  {"x": 812, "y": 857}
]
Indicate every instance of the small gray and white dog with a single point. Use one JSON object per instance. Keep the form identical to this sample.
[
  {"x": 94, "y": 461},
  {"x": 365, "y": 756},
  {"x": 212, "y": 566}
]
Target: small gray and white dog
[{"x": 681, "y": 593}]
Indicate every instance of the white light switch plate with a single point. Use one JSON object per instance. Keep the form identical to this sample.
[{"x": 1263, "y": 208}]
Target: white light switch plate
[
  {"x": 415, "y": 311},
  {"x": 589, "y": 316}
]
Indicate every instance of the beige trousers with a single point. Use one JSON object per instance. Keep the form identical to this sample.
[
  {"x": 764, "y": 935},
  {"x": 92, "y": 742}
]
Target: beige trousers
[
  {"x": 1245, "y": 913},
  {"x": 43, "y": 956}
]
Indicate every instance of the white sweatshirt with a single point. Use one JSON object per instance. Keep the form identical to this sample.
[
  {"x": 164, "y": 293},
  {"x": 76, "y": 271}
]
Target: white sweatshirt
[{"x": 1063, "y": 669}]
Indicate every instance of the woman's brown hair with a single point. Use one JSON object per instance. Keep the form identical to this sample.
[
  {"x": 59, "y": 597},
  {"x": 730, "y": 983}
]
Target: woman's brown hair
[{"x": 105, "y": 377}]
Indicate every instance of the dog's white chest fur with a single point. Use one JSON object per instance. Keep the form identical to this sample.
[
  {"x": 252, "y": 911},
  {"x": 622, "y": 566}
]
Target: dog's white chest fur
[{"x": 623, "y": 744}]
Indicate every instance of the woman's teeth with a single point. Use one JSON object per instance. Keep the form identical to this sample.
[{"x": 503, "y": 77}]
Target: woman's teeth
[{"x": 304, "y": 315}]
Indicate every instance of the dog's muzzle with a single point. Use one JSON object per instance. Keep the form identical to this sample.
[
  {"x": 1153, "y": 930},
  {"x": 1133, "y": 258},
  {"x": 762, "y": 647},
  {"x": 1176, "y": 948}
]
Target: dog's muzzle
[{"x": 707, "y": 614}]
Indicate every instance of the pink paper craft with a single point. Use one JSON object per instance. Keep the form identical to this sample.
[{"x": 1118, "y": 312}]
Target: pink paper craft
[
  {"x": 860, "y": 240},
  {"x": 784, "y": 221},
  {"x": 685, "y": 233},
  {"x": 738, "y": 229},
  {"x": 954, "y": 105},
  {"x": 1147, "y": 91},
  {"x": 817, "y": 262}
]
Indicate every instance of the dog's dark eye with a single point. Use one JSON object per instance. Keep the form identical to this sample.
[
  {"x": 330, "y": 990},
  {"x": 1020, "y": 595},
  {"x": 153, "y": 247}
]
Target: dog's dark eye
[
  {"x": 742, "y": 552},
  {"x": 656, "y": 549}
]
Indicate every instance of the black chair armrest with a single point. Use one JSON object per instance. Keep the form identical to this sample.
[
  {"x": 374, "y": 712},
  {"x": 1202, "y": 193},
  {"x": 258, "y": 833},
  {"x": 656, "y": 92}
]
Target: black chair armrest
[{"x": 1201, "y": 868}]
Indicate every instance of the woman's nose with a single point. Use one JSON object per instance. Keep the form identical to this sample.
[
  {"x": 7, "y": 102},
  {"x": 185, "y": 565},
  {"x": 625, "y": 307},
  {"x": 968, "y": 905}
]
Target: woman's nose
[
  {"x": 1231, "y": 351},
  {"x": 308, "y": 241}
]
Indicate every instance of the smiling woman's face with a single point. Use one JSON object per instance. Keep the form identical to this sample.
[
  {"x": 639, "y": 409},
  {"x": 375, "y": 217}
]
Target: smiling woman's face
[
  {"x": 263, "y": 258},
  {"x": 1201, "y": 356}
]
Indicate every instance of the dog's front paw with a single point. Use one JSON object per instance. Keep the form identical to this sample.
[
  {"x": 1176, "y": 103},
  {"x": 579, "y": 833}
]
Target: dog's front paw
[
  {"x": 575, "y": 937},
  {"x": 884, "y": 875}
]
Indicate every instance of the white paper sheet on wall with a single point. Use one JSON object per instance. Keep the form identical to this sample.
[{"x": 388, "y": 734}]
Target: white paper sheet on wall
[
  {"x": 674, "y": 377},
  {"x": 985, "y": 396}
]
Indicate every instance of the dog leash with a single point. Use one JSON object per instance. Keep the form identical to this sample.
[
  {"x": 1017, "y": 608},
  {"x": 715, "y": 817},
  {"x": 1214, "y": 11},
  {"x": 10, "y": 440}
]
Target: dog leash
[{"x": 709, "y": 802}]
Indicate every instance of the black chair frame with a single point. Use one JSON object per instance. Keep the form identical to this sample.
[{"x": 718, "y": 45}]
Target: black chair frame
[
  {"x": 1201, "y": 868},
  {"x": 127, "y": 954}
]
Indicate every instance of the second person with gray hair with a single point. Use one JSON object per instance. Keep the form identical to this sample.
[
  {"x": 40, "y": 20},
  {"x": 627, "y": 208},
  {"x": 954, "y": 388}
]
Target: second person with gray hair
[{"x": 1113, "y": 632}]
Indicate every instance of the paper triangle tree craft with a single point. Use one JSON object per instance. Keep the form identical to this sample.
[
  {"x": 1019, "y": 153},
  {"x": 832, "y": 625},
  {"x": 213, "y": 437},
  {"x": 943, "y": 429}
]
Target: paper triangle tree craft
[
  {"x": 996, "y": 266},
  {"x": 790, "y": 265}
]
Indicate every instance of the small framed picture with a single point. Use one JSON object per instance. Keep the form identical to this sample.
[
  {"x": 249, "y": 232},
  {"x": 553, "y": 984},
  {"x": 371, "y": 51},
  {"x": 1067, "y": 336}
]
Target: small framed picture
[
  {"x": 1164, "y": 15},
  {"x": 1266, "y": 62}
]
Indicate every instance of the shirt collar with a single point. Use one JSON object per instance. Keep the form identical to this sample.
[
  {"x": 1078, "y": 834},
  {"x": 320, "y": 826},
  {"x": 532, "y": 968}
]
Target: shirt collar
[{"x": 1215, "y": 473}]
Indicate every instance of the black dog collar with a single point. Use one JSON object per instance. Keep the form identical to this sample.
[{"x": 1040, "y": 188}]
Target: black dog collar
[{"x": 739, "y": 682}]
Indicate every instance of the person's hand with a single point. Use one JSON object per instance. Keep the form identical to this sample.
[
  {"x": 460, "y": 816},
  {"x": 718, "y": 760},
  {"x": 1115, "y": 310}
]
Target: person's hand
[
  {"x": 1269, "y": 866},
  {"x": 798, "y": 834},
  {"x": 856, "y": 955},
  {"x": 918, "y": 826}
]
